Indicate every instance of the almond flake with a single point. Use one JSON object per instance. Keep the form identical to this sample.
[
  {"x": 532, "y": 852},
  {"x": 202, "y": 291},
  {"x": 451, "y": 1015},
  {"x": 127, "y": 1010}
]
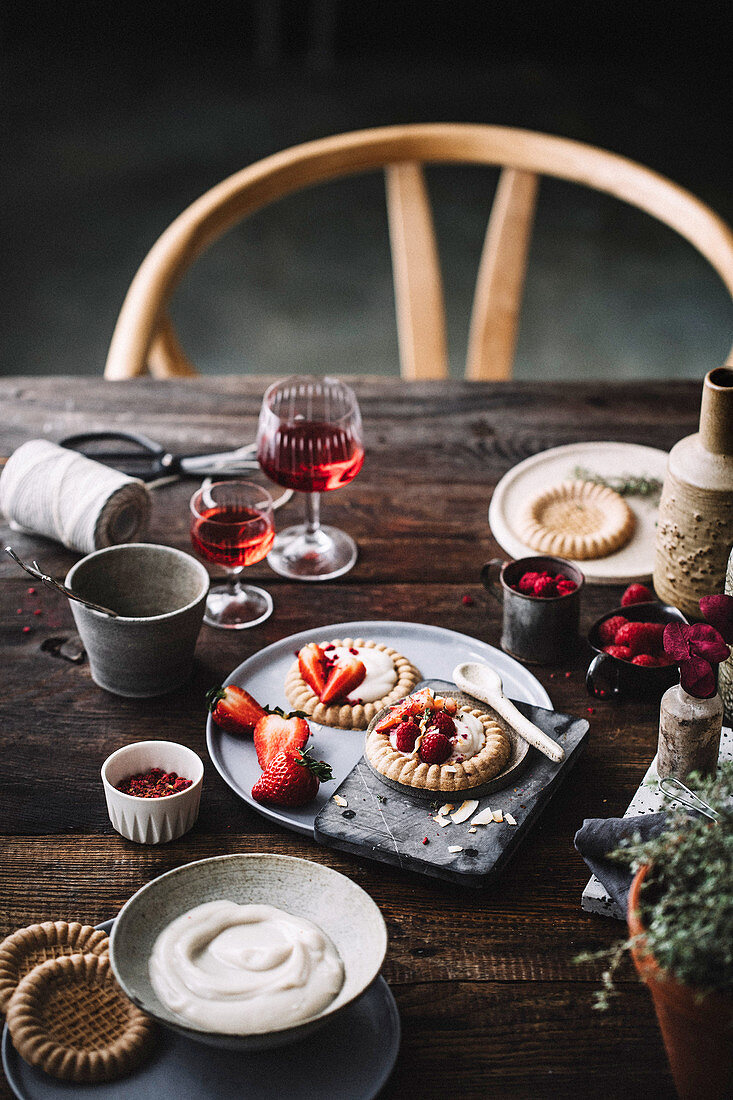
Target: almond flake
[
  {"x": 484, "y": 818},
  {"x": 471, "y": 829},
  {"x": 446, "y": 809},
  {"x": 465, "y": 810},
  {"x": 442, "y": 821},
  {"x": 339, "y": 800},
  {"x": 509, "y": 819},
  {"x": 455, "y": 848},
  {"x": 498, "y": 816}
]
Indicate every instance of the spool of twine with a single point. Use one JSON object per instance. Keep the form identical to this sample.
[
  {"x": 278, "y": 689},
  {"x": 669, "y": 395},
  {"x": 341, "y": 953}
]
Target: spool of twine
[{"x": 52, "y": 491}]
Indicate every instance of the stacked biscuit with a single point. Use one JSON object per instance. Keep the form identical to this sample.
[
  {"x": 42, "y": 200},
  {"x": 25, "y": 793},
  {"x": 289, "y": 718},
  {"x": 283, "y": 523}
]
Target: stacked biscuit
[{"x": 65, "y": 1012}]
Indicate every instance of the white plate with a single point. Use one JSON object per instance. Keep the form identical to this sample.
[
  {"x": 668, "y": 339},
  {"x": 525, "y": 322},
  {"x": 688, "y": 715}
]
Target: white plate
[
  {"x": 433, "y": 650},
  {"x": 357, "y": 1050},
  {"x": 633, "y": 562}
]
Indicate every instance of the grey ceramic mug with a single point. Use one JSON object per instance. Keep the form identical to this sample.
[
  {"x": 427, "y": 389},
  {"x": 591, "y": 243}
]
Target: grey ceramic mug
[
  {"x": 159, "y": 595},
  {"x": 536, "y": 631}
]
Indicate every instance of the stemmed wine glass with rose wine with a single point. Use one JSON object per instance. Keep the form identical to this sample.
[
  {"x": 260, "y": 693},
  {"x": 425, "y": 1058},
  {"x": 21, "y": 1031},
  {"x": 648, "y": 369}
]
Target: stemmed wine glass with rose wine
[
  {"x": 309, "y": 438},
  {"x": 232, "y": 524}
]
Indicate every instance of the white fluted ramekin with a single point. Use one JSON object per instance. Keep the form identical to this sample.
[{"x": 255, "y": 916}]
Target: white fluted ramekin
[{"x": 152, "y": 820}]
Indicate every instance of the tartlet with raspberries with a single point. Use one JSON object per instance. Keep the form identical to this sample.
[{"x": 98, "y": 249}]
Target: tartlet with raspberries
[
  {"x": 347, "y": 681},
  {"x": 429, "y": 742}
]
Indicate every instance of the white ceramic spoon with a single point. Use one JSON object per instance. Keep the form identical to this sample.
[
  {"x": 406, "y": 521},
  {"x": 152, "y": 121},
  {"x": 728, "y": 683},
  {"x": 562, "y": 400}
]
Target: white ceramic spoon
[{"x": 482, "y": 682}]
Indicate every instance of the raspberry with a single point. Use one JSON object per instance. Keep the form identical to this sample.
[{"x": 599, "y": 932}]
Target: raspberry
[
  {"x": 435, "y": 748},
  {"x": 545, "y": 587},
  {"x": 622, "y": 652},
  {"x": 527, "y": 582},
  {"x": 405, "y": 735},
  {"x": 636, "y": 593},
  {"x": 609, "y": 628},
  {"x": 564, "y": 585},
  {"x": 645, "y": 660},
  {"x": 443, "y": 723},
  {"x": 641, "y": 637}
]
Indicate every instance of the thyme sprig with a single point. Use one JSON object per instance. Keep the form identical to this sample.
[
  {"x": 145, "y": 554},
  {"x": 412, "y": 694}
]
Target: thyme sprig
[{"x": 626, "y": 485}]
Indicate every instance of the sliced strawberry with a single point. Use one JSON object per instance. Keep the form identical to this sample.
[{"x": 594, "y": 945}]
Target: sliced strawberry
[
  {"x": 312, "y": 665},
  {"x": 292, "y": 778},
  {"x": 413, "y": 704},
  {"x": 346, "y": 675},
  {"x": 278, "y": 731},
  {"x": 234, "y": 709}
]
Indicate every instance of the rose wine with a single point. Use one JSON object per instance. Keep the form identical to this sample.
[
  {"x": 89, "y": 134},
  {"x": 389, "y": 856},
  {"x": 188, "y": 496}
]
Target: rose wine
[
  {"x": 311, "y": 455},
  {"x": 232, "y": 536}
]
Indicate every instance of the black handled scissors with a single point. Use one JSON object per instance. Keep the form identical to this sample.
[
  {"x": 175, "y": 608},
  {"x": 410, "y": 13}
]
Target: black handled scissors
[{"x": 134, "y": 454}]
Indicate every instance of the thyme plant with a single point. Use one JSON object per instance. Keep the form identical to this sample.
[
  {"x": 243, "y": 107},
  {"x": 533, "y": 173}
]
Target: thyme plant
[{"x": 686, "y": 899}]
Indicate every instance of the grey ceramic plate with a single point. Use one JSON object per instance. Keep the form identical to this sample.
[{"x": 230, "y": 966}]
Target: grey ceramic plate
[
  {"x": 358, "y": 1050},
  {"x": 434, "y": 651}
]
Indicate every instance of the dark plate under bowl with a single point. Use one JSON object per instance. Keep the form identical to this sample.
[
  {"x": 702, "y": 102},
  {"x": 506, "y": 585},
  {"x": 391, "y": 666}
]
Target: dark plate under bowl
[{"x": 611, "y": 678}]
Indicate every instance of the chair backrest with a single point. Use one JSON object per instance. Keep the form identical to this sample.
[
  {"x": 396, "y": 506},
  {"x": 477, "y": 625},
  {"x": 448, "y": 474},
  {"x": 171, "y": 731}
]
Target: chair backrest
[{"x": 144, "y": 336}]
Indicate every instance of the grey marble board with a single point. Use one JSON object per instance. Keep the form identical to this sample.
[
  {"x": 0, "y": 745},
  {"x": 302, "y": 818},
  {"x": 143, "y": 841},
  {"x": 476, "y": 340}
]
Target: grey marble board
[{"x": 392, "y": 826}]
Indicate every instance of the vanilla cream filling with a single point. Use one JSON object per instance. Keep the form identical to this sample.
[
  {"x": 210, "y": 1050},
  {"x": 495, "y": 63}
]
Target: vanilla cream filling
[
  {"x": 244, "y": 969},
  {"x": 381, "y": 674},
  {"x": 469, "y": 737}
]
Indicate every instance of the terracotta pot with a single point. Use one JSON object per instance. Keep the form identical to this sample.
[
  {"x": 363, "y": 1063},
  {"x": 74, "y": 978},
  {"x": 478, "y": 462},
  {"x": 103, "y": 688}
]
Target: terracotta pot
[{"x": 697, "y": 1033}]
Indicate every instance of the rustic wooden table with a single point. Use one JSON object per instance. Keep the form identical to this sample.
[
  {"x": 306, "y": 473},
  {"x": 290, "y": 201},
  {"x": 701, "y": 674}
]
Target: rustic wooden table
[{"x": 490, "y": 999}]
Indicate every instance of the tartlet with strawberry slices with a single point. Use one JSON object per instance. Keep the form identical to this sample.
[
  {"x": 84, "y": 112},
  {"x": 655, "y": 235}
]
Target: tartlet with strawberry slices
[
  {"x": 431, "y": 743},
  {"x": 346, "y": 682}
]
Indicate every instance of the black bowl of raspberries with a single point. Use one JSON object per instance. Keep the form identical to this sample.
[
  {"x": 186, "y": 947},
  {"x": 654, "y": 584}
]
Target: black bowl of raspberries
[{"x": 630, "y": 661}]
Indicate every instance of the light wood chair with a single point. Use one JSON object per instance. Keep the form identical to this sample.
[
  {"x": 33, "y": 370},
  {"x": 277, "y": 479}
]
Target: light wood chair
[{"x": 144, "y": 337}]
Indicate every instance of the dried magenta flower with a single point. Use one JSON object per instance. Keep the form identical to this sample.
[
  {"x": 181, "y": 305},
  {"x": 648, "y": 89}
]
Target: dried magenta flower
[
  {"x": 695, "y": 649},
  {"x": 718, "y": 610}
]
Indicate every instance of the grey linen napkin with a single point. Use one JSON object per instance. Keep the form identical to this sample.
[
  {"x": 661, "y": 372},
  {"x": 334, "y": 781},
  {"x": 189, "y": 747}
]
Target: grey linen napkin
[{"x": 599, "y": 836}]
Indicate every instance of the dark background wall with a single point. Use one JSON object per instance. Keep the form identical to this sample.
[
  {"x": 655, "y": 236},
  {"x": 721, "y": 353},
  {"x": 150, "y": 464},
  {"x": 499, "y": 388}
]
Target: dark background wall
[{"x": 116, "y": 116}]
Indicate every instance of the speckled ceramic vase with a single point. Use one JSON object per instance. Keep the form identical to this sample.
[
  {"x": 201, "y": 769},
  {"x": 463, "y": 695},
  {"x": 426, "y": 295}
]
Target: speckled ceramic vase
[
  {"x": 725, "y": 671},
  {"x": 695, "y": 527},
  {"x": 689, "y": 734}
]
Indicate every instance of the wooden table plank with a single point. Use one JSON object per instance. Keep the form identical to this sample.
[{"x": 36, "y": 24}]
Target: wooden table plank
[{"x": 491, "y": 1000}]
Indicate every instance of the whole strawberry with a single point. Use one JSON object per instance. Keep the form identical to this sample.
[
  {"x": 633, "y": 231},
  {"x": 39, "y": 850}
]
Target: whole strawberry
[
  {"x": 435, "y": 748},
  {"x": 609, "y": 628},
  {"x": 292, "y": 778},
  {"x": 636, "y": 593},
  {"x": 641, "y": 637}
]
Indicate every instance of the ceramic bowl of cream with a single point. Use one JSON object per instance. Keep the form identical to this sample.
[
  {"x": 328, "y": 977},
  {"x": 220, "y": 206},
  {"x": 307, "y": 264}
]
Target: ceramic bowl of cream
[{"x": 150, "y": 941}]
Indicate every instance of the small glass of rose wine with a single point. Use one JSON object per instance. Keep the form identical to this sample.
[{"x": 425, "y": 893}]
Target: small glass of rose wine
[
  {"x": 232, "y": 524},
  {"x": 309, "y": 438}
]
